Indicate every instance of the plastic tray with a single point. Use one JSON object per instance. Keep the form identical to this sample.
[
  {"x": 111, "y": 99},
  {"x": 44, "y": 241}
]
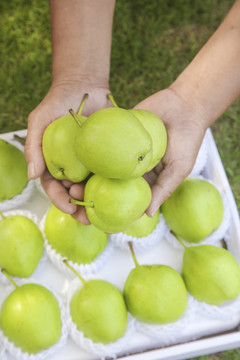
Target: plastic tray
[{"x": 203, "y": 335}]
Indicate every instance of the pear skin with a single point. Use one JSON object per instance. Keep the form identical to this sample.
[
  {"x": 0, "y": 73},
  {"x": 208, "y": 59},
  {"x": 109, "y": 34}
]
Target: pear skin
[
  {"x": 211, "y": 274},
  {"x": 30, "y": 317},
  {"x": 13, "y": 171},
  {"x": 71, "y": 239},
  {"x": 99, "y": 311},
  {"x": 155, "y": 294},
  {"x": 156, "y": 128},
  {"x": 194, "y": 210},
  {"x": 143, "y": 226},
  {"x": 21, "y": 245},
  {"x": 58, "y": 148},
  {"x": 114, "y": 144},
  {"x": 116, "y": 203}
]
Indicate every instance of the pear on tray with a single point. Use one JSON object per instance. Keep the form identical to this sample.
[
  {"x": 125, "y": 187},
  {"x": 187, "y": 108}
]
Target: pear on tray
[
  {"x": 21, "y": 245},
  {"x": 194, "y": 210},
  {"x": 98, "y": 310},
  {"x": 71, "y": 239},
  {"x": 155, "y": 294},
  {"x": 13, "y": 171},
  {"x": 30, "y": 317},
  {"x": 211, "y": 274}
]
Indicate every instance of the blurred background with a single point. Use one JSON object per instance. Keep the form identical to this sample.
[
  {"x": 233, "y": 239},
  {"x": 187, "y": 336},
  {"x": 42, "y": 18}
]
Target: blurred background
[{"x": 153, "y": 41}]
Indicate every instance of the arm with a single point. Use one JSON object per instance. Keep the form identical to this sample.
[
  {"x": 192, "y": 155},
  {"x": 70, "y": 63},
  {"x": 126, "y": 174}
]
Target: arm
[
  {"x": 81, "y": 44},
  {"x": 201, "y": 93}
]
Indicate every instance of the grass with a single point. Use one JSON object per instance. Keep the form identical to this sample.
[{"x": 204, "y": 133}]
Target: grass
[{"x": 152, "y": 43}]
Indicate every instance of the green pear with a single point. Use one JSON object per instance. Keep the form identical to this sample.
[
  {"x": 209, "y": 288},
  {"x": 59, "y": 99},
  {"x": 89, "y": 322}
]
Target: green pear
[
  {"x": 71, "y": 239},
  {"x": 30, "y": 318},
  {"x": 58, "y": 148},
  {"x": 21, "y": 245},
  {"x": 156, "y": 128},
  {"x": 211, "y": 274},
  {"x": 143, "y": 226},
  {"x": 155, "y": 294},
  {"x": 113, "y": 204},
  {"x": 13, "y": 171},
  {"x": 99, "y": 311},
  {"x": 114, "y": 144},
  {"x": 194, "y": 210}
]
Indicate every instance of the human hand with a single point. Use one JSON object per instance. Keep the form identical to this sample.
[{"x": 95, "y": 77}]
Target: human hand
[
  {"x": 185, "y": 128},
  {"x": 57, "y": 102}
]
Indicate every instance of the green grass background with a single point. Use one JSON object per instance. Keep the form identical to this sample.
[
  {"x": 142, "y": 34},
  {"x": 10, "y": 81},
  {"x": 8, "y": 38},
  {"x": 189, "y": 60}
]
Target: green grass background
[{"x": 153, "y": 41}]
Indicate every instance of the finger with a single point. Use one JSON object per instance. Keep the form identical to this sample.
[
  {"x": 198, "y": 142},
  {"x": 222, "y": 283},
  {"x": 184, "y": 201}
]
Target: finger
[
  {"x": 81, "y": 215},
  {"x": 57, "y": 193},
  {"x": 166, "y": 183},
  {"x": 33, "y": 150},
  {"x": 77, "y": 191},
  {"x": 67, "y": 183}
]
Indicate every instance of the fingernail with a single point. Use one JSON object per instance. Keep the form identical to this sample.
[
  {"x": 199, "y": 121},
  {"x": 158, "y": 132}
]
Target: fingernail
[{"x": 31, "y": 171}]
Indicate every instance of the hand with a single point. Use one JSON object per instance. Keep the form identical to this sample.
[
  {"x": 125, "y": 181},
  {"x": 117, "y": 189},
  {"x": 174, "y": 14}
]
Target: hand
[
  {"x": 185, "y": 128},
  {"x": 57, "y": 102}
]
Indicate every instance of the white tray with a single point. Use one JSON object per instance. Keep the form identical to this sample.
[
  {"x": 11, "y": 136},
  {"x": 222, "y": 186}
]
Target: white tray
[{"x": 203, "y": 336}]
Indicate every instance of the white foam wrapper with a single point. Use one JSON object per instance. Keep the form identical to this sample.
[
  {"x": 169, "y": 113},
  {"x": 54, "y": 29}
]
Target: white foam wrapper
[
  {"x": 21, "y": 198},
  {"x": 40, "y": 188},
  {"x": 83, "y": 269},
  {"x": 30, "y": 215},
  {"x": 141, "y": 244},
  {"x": 100, "y": 350},
  {"x": 217, "y": 235},
  {"x": 168, "y": 334},
  {"x": 2, "y": 352},
  {"x": 201, "y": 159},
  {"x": 45, "y": 354}
]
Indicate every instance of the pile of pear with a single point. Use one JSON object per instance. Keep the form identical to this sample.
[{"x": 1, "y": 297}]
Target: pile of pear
[{"x": 110, "y": 151}]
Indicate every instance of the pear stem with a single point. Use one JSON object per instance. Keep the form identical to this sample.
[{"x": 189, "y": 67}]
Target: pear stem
[
  {"x": 22, "y": 140},
  {"x": 2, "y": 216},
  {"x": 75, "y": 272},
  {"x": 82, "y": 104},
  {"x": 178, "y": 238},
  {"x": 110, "y": 97},
  {"x": 76, "y": 117},
  {"x": 130, "y": 244},
  {"x": 9, "y": 278},
  {"x": 82, "y": 203}
]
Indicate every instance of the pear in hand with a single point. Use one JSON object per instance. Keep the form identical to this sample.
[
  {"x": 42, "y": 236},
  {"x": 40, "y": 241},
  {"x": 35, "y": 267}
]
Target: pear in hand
[
  {"x": 113, "y": 204},
  {"x": 156, "y": 128},
  {"x": 58, "y": 148},
  {"x": 114, "y": 144},
  {"x": 211, "y": 274},
  {"x": 99, "y": 311},
  {"x": 21, "y": 245},
  {"x": 30, "y": 318},
  {"x": 71, "y": 239},
  {"x": 13, "y": 171},
  {"x": 194, "y": 210},
  {"x": 155, "y": 294},
  {"x": 143, "y": 226}
]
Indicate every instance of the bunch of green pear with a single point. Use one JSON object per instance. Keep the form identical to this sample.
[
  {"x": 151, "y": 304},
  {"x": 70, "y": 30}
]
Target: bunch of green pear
[
  {"x": 21, "y": 245},
  {"x": 71, "y": 239},
  {"x": 30, "y": 317},
  {"x": 155, "y": 294},
  {"x": 194, "y": 210},
  {"x": 13, "y": 171},
  {"x": 99, "y": 311},
  {"x": 117, "y": 146},
  {"x": 211, "y": 274}
]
